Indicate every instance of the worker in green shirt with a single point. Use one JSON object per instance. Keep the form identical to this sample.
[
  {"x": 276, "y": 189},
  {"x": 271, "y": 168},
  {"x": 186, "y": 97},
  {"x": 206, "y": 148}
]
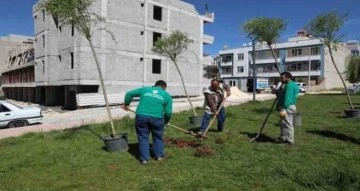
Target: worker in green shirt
[
  {"x": 152, "y": 114},
  {"x": 287, "y": 107}
]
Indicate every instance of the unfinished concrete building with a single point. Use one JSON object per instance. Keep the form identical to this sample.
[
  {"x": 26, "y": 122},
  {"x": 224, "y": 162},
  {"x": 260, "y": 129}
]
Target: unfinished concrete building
[
  {"x": 64, "y": 64},
  {"x": 8, "y": 45},
  {"x": 18, "y": 77}
]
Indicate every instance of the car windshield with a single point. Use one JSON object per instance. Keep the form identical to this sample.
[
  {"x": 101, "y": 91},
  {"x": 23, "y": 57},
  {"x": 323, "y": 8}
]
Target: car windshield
[{"x": 16, "y": 106}]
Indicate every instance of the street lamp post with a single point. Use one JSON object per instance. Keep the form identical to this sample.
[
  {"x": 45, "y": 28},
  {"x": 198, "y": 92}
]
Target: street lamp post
[{"x": 309, "y": 76}]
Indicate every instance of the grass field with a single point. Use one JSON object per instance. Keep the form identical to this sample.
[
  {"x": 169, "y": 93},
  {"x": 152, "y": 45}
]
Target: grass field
[{"x": 325, "y": 155}]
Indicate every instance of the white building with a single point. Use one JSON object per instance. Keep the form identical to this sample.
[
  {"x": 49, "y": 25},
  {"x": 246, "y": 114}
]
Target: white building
[{"x": 301, "y": 55}]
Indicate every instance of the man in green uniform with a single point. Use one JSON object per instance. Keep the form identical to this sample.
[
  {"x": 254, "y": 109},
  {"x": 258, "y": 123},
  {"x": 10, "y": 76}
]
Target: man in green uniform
[
  {"x": 153, "y": 112},
  {"x": 287, "y": 107}
]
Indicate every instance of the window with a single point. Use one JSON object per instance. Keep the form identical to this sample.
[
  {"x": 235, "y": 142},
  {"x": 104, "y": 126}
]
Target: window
[
  {"x": 315, "y": 51},
  {"x": 35, "y": 18},
  {"x": 240, "y": 56},
  {"x": 43, "y": 15},
  {"x": 72, "y": 60},
  {"x": 156, "y": 66},
  {"x": 296, "y": 52},
  {"x": 226, "y": 70},
  {"x": 4, "y": 109},
  {"x": 240, "y": 69},
  {"x": 72, "y": 30},
  {"x": 142, "y": 4},
  {"x": 43, "y": 66},
  {"x": 59, "y": 58},
  {"x": 157, "y": 13},
  {"x": 43, "y": 41},
  {"x": 227, "y": 58},
  {"x": 141, "y": 32},
  {"x": 261, "y": 55},
  {"x": 141, "y": 59},
  {"x": 60, "y": 29},
  {"x": 156, "y": 36}
]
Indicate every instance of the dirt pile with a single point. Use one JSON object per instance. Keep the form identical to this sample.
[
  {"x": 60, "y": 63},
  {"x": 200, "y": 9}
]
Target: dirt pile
[
  {"x": 236, "y": 93},
  {"x": 204, "y": 151},
  {"x": 181, "y": 143},
  {"x": 220, "y": 141}
]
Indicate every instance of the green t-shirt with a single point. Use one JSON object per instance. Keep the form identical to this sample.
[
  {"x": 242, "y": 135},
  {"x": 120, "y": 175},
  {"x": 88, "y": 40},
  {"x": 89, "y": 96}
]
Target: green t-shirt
[
  {"x": 154, "y": 102},
  {"x": 289, "y": 95}
]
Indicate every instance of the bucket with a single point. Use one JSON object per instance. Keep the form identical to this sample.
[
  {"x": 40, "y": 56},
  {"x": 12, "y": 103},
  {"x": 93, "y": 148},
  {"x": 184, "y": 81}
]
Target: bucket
[
  {"x": 117, "y": 143},
  {"x": 297, "y": 120},
  {"x": 196, "y": 121},
  {"x": 352, "y": 113}
]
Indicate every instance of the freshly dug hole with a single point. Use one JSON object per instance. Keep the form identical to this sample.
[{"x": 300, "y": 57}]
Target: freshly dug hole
[{"x": 181, "y": 143}]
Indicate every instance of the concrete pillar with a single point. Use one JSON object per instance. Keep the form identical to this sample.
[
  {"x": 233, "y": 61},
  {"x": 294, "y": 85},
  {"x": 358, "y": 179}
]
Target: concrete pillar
[
  {"x": 25, "y": 94},
  {"x": 38, "y": 95},
  {"x": 32, "y": 95}
]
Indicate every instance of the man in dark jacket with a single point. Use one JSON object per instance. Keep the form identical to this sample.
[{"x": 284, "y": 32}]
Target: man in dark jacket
[{"x": 214, "y": 96}]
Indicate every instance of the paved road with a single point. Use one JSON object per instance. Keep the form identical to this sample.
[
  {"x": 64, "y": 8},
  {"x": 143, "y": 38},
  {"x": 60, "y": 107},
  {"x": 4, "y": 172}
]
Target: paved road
[{"x": 58, "y": 121}]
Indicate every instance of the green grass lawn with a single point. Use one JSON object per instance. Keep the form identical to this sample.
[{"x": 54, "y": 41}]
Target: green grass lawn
[{"x": 325, "y": 155}]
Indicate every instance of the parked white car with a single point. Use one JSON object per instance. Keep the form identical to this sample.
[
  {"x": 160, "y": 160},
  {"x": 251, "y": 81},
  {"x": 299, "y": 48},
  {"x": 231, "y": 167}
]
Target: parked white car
[
  {"x": 14, "y": 116},
  {"x": 303, "y": 87}
]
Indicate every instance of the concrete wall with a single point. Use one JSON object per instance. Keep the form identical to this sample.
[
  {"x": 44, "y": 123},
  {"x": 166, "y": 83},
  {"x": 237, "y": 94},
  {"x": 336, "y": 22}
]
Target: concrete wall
[{"x": 332, "y": 79}]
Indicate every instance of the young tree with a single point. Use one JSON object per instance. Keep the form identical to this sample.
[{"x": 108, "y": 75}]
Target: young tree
[
  {"x": 172, "y": 47},
  {"x": 326, "y": 27},
  {"x": 266, "y": 30},
  {"x": 250, "y": 27},
  {"x": 77, "y": 13}
]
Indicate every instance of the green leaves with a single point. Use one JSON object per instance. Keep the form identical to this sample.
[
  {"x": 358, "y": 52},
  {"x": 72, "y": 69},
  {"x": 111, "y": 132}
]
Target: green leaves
[
  {"x": 73, "y": 12},
  {"x": 327, "y": 26},
  {"x": 173, "y": 45},
  {"x": 263, "y": 29}
]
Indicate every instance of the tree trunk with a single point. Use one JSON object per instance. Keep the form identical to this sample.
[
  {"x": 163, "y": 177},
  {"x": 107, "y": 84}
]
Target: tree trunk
[
  {"x": 183, "y": 84},
  {"x": 103, "y": 87},
  {"x": 342, "y": 79},
  {"x": 275, "y": 59}
]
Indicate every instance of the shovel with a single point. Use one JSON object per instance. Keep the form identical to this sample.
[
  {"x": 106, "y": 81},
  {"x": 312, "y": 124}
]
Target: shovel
[{"x": 213, "y": 119}]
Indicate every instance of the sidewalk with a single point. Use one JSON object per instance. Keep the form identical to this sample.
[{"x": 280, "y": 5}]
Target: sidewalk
[{"x": 72, "y": 119}]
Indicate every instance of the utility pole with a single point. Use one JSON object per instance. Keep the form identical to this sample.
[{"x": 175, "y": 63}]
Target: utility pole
[
  {"x": 254, "y": 73},
  {"x": 309, "y": 76}
]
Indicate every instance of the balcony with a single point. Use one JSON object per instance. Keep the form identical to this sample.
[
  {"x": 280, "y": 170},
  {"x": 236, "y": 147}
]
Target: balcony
[
  {"x": 208, "y": 39},
  {"x": 268, "y": 74},
  {"x": 208, "y": 17},
  {"x": 226, "y": 63},
  {"x": 266, "y": 61},
  {"x": 302, "y": 58},
  {"x": 305, "y": 73}
]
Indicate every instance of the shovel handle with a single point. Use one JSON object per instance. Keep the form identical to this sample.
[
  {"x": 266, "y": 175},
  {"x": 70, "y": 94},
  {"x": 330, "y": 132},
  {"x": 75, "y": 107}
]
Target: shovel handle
[{"x": 213, "y": 119}]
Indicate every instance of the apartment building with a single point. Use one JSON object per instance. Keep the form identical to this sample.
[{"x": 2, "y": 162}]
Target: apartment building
[
  {"x": 354, "y": 47},
  {"x": 301, "y": 55},
  {"x": 64, "y": 64}
]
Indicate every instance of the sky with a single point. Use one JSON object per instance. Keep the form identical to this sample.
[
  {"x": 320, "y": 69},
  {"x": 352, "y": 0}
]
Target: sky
[{"x": 16, "y": 17}]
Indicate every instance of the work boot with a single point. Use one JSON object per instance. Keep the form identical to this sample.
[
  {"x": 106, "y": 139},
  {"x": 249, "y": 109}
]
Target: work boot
[
  {"x": 200, "y": 133},
  {"x": 159, "y": 158},
  {"x": 144, "y": 162}
]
